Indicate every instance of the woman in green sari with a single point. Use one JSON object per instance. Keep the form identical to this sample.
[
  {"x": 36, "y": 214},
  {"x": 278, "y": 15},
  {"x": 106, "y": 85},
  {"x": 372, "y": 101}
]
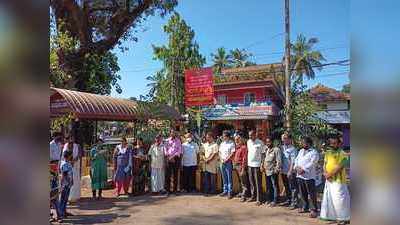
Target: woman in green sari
[{"x": 98, "y": 171}]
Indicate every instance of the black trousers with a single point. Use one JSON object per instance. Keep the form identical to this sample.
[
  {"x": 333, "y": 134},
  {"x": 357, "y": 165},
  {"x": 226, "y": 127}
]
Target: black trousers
[
  {"x": 308, "y": 194},
  {"x": 171, "y": 173},
  {"x": 209, "y": 180},
  {"x": 272, "y": 188},
  {"x": 189, "y": 178},
  {"x": 291, "y": 188},
  {"x": 255, "y": 182}
]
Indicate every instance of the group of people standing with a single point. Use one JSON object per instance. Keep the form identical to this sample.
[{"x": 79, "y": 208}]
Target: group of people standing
[{"x": 250, "y": 158}]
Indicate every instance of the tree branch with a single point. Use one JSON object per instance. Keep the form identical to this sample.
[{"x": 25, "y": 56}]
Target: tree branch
[{"x": 120, "y": 23}]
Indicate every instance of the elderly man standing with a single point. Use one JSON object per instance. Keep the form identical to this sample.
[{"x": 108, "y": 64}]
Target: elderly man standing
[
  {"x": 255, "y": 149},
  {"x": 173, "y": 152}
]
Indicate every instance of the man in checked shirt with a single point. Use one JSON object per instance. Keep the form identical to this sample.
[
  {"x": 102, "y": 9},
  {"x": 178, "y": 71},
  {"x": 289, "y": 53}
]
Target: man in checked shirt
[{"x": 173, "y": 152}]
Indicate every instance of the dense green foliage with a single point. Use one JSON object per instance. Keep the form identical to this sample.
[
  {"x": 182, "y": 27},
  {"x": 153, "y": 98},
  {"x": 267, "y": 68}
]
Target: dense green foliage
[
  {"x": 84, "y": 33},
  {"x": 180, "y": 53}
]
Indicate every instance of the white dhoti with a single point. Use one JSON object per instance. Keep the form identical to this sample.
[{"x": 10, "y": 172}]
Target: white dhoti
[
  {"x": 75, "y": 193},
  {"x": 335, "y": 202},
  {"x": 157, "y": 179}
]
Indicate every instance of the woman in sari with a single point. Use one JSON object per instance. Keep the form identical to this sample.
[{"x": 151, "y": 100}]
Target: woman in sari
[
  {"x": 138, "y": 182},
  {"x": 335, "y": 204},
  {"x": 122, "y": 167},
  {"x": 98, "y": 170}
]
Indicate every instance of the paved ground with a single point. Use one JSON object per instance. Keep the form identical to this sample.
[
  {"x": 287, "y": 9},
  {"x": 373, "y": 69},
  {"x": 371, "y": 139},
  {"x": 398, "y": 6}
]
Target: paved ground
[{"x": 180, "y": 210}]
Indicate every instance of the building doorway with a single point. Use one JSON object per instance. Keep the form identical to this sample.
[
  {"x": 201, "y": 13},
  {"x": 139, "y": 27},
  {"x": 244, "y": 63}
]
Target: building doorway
[
  {"x": 221, "y": 127},
  {"x": 249, "y": 125}
]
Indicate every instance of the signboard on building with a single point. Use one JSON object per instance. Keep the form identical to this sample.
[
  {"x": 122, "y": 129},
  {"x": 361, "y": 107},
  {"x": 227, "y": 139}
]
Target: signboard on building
[
  {"x": 199, "y": 89},
  {"x": 58, "y": 106}
]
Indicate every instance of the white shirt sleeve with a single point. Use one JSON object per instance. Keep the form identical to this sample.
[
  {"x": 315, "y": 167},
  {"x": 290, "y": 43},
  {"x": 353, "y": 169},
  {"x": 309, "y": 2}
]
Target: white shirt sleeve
[
  {"x": 296, "y": 160},
  {"x": 314, "y": 157},
  {"x": 232, "y": 147}
]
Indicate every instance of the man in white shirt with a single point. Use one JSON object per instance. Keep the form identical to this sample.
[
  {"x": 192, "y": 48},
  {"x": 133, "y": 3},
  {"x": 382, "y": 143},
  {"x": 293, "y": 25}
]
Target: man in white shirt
[
  {"x": 189, "y": 162},
  {"x": 305, "y": 166},
  {"x": 255, "y": 149},
  {"x": 226, "y": 152},
  {"x": 55, "y": 148}
]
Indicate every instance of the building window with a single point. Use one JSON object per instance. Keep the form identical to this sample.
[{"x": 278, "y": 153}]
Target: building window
[
  {"x": 221, "y": 99},
  {"x": 249, "y": 98}
]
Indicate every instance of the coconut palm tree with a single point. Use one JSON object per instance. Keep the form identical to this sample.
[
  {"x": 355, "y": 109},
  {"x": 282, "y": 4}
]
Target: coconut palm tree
[
  {"x": 159, "y": 87},
  {"x": 240, "y": 58},
  {"x": 221, "y": 60},
  {"x": 304, "y": 59}
]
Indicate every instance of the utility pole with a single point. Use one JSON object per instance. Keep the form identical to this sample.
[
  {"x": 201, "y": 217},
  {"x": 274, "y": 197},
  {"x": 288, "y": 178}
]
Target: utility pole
[{"x": 287, "y": 67}]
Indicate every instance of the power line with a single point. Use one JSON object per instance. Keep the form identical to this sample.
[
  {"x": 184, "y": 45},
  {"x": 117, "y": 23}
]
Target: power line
[
  {"x": 263, "y": 41},
  {"x": 318, "y": 49}
]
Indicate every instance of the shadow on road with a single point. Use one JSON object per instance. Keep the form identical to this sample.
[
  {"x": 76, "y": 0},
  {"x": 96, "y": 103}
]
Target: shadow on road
[{"x": 92, "y": 219}]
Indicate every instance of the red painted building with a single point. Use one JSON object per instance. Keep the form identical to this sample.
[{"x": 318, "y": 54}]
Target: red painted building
[{"x": 246, "y": 98}]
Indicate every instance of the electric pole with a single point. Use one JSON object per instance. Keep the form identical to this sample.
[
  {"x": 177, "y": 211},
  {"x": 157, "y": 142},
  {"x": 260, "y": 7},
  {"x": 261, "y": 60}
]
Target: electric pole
[{"x": 287, "y": 67}]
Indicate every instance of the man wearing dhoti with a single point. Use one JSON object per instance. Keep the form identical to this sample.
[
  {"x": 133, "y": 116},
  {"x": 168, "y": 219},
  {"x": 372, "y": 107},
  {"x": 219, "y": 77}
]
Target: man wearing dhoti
[{"x": 335, "y": 204}]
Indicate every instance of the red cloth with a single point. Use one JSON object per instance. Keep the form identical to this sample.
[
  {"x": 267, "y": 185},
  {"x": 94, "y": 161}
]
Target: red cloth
[
  {"x": 123, "y": 185},
  {"x": 241, "y": 156}
]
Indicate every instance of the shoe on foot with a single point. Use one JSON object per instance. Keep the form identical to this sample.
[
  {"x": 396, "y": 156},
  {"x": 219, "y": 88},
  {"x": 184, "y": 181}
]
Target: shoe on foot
[
  {"x": 286, "y": 203},
  {"x": 272, "y": 204},
  {"x": 242, "y": 199},
  {"x": 222, "y": 194},
  {"x": 293, "y": 207},
  {"x": 313, "y": 214},
  {"x": 303, "y": 211},
  {"x": 230, "y": 196},
  {"x": 258, "y": 203},
  {"x": 251, "y": 200}
]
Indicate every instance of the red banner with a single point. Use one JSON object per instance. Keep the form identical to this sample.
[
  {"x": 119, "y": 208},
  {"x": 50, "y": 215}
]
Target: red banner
[{"x": 199, "y": 89}]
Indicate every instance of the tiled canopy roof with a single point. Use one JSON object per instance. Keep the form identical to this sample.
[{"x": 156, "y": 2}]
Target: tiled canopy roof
[
  {"x": 321, "y": 93},
  {"x": 99, "y": 107}
]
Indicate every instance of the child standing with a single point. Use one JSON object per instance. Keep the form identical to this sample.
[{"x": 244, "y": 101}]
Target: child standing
[
  {"x": 66, "y": 182},
  {"x": 54, "y": 204}
]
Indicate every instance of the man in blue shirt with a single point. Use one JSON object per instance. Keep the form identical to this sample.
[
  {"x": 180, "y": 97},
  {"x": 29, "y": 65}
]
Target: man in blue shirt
[{"x": 289, "y": 153}]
